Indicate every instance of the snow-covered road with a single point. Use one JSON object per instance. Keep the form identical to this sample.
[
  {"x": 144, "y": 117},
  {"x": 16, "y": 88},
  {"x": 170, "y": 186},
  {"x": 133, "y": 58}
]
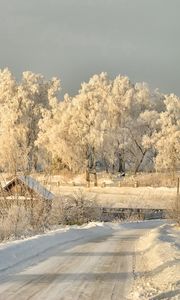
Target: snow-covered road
[{"x": 82, "y": 263}]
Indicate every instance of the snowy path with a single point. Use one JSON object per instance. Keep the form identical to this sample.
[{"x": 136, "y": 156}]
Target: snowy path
[{"x": 96, "y": 264}]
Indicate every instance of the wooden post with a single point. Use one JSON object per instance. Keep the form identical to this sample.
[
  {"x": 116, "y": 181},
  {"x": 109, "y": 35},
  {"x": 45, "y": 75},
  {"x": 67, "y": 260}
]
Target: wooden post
[
  {"x": 136, "y": 184},
  {"x": 95, "y": 179},
  {"x": 178, "y": 187},
  {"x": 103, "y": 184},
  {"x": 178, "y": 201},
  {"x": 87, "y": 178}
]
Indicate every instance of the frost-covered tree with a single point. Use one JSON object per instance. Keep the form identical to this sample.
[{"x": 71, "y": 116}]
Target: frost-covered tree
[
  {"x": 37, "y": 96},
  {"x": 73, "y": 132},
  {"x": 131, "y": 108},
  {"x": 167, "y": 139},
  {"x": 115, "y": 123},
  {"x": 106, "y": 122},
  {"x": 22, "y": 106},
  {"x": 54, "y": 135}
]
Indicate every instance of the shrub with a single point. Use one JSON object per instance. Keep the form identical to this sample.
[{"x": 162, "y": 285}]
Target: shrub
[{"x": 74, "y": 209}]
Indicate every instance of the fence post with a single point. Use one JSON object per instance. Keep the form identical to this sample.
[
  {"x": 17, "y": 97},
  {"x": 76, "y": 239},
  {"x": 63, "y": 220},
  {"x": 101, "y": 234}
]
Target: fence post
[
  {"x": 95, "y": 179},
  {"x": 87, "y": 178},
  {"x": 178, "y": 186},
  {"x": 178, "y": 201}
]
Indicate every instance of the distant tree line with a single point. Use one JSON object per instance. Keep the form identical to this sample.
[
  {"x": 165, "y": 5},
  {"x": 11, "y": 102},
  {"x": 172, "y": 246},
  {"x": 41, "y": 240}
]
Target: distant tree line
[{"x": 112, "y": 124}]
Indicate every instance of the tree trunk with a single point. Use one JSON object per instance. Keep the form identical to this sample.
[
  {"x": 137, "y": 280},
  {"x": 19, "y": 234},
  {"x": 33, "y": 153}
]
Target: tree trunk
[
  {"x": 106, "y": 166},
  {"x": 113, "y": 168},
  {"x": 88, "y": 177},
  {"x": 140, "y": 162},
  {"x": 121, "y": 165}
]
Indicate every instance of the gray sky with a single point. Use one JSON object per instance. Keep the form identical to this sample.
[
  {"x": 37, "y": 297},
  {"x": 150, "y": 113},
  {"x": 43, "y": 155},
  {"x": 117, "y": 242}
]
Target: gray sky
[{"x": 74, "y": 39}]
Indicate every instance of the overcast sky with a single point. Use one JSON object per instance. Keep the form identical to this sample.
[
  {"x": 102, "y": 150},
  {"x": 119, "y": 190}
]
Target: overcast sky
[{"x": 74, "y": 39}]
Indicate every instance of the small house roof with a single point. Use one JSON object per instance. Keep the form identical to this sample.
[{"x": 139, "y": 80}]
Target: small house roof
[{"x": 32, "y": 184}]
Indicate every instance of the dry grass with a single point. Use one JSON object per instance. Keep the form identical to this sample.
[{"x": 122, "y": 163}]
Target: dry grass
[
  {"x": 175, "y": 211},
  {"x": 150, "y": 179},
  {"x": 74, "y": 209},
  {"x": 25, "y": 216},
  {"x": 22, "y": 215}
]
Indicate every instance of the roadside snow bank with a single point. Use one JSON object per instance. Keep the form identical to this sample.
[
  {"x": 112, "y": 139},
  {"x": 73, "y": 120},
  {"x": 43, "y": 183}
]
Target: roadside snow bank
[
  {"x": 17, "y": 255},
  {"x": 157, "y": 265}
]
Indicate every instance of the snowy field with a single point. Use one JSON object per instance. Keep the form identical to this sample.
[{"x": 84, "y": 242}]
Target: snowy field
[
  {"x": 141, "y": 197},
  {"x": 96, "y": 261},
  {"x": 113, "y": 195}
]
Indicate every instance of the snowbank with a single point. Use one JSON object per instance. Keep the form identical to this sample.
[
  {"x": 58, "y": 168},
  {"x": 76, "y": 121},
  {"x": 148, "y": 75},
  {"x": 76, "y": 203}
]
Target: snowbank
[{"x": 157, "y": 265}]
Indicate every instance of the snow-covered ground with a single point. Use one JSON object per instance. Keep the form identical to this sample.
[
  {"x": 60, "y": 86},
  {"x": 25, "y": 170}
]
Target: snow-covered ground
[
  {"x": 111, "y": 195},
  {"x": 157, "y": 267},
  {"x": 19, "y": 254},
  {"x": 141, "y": 197},
  {"x": 105, "y": 261}
]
